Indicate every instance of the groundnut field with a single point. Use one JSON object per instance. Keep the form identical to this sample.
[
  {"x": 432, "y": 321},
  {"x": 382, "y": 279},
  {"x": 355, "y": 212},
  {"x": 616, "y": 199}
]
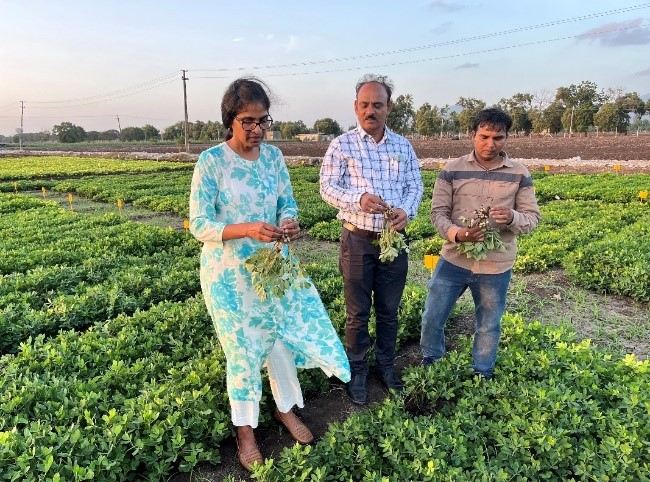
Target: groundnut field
[{"x": 110, "y": 369}]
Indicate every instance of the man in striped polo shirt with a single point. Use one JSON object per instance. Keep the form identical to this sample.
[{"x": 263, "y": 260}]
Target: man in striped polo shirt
[
  {"x": 485, "y": 178},
  {"x": 366, "y": 171}
]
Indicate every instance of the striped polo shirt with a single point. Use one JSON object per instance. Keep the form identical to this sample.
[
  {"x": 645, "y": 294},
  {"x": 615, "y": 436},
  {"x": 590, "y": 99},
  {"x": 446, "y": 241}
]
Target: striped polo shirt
[{"x": 464, "y": 186}]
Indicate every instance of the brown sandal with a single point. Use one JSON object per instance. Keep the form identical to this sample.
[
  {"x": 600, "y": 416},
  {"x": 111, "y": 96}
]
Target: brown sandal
[
  {"x": 249, "y": 457},
  {"x": 296, "y": 428}
]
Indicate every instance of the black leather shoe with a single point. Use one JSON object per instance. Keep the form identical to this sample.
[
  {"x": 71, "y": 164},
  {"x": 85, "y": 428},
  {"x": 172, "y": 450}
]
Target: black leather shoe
[
  {"x": 357, "y": 390},
  {"x": 390, "y": 379}
]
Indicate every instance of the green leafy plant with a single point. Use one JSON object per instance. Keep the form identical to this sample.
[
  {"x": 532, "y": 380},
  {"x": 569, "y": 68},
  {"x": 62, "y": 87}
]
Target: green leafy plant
[
  {"x": 491, "y": 237},
  {"x": 272, "y": 272},
  {"x": 391, "y": 241}
]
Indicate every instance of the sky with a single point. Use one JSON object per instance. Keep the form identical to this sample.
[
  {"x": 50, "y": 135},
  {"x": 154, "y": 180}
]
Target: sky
[{"x": 88, "y": 62}]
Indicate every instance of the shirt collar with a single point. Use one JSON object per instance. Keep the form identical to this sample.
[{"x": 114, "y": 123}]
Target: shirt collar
[
  {"x": 363, "y": 134},
  {"x": 506, "y": 162}
]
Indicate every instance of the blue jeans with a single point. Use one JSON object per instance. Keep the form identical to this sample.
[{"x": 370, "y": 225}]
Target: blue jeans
[{"x": 489, "y": 293}]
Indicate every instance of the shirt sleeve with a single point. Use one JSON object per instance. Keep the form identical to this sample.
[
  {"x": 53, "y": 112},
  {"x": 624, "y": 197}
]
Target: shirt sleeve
[
  {"x": 413, "y": 188},
  {"x": 441, "y": 206},
  {"x": 332, "y": 188},
  {"x": 526, "y": 214},
  {"x": 203, "y": 201},
  {"x": 286, "y": 207}
]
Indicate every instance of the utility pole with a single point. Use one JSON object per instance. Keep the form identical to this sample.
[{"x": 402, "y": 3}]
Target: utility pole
[
  {"x": 119, "y": 127},
  {"x": 187, "y": 140},
  {"x": 20, "y": 137},
  {"x": 573, "y": 108}
]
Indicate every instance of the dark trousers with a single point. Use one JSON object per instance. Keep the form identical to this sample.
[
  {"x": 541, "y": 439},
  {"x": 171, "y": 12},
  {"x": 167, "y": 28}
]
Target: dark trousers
[{"x": 366, "y": 279}]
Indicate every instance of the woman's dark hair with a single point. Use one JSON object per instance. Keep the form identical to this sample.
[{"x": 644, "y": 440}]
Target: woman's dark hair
[
  {"x": 239, "y": 94},
  {"x": 495, "y": 118}
]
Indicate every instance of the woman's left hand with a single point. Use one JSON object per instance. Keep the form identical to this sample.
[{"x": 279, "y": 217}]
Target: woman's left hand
[{"x": 290, "y": 228}]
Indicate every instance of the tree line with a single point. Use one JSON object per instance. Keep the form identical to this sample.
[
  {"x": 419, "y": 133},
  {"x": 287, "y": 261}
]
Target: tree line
[
  {"x": 577, "y": 108},
  {"x": 198, "y": 131}
]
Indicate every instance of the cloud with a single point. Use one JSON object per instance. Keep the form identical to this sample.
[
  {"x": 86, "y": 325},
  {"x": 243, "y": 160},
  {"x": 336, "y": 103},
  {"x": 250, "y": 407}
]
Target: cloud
[
  {"x": 270, "y": 36},
  {"x": 292, "y": 43},
  {"x": 238, "y": 39},
  {"x": 442, "y": 28},
  {"x": 467, "y": 65},
  {"x": 643, "y": 73},
  {"x": 446, "y": 5},
  {"x": 618, "y": 34}
]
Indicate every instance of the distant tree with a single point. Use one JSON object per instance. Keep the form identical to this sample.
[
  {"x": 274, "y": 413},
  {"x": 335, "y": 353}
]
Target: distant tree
[
  {"x": 175, "y": 132},
  {"x": 612, "y": 117},
  {"x": 327, "y": 126},
  {"x": 290, "y": 129},
  {"x": 471, "y": 107},
  {"x": 42, "y": 136},
  {"x": 585, "y": 93},
  {"x": 449, "y": 119},
  {"x": 551, "y": 119},
  {"x": 519, "y": 106},
  {"x": 583, "y": 100},
  {"x": 428, "y": 120},
  {"x": 109, "y": 135},
  {"x": 401, "y": 117},
  {"x": 211, "y": 131},
  {"x": 632, "y": 103},
  {"x": 583, "y": 118},
  {"x": 130, "y": 134},
  {"x": 150, "y": 132},
  {"x": 195, "y": 129},
  {"x": 92, "y": 135},
  {"x": 68, "y": 132}
]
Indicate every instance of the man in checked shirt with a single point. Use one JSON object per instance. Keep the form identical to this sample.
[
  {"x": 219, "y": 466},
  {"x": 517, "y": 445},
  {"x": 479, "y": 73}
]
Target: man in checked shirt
[{"x": 365, "y": 172}]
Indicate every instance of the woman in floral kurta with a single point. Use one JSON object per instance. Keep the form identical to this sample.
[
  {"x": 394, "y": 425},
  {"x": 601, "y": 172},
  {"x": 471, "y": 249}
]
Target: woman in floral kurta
[{"x": 241, "y": 199}]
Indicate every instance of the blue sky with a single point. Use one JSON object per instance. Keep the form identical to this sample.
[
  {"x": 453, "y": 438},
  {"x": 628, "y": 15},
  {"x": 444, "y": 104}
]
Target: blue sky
[{"x": 88, "y": 61}]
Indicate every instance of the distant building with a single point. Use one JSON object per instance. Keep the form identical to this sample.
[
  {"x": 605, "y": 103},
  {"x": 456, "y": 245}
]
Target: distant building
[
  {"x": 272, "y": 136},
  {"x": 315, "y": 137}
]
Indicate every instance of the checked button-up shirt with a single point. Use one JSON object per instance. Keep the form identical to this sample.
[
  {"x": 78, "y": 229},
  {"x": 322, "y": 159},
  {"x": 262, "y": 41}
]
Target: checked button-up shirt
[{"x": 355, "y": 164}]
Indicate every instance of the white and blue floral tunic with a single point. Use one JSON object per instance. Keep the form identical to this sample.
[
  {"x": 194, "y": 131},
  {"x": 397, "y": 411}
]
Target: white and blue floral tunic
[{"x": 227, "y": 189}]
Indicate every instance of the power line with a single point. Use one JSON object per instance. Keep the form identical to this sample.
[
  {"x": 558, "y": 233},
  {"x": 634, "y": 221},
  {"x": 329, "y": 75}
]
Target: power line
[
  {"x": 431, "y": 59},
  {"x": 125, "y": 92},
  {"x": 500, "y": 33}
]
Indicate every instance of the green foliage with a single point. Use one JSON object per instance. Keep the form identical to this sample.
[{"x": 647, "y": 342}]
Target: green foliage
[
  {"x": 85, "y": 270},
  {"x": 557, "y": 410},
  {"x": 471, "y": 107},
  {"x": 618, "y": 263},
  {"x": 327, "y": 126},
  {"x": 402, "y": 114},
  {"x": 390, "y": 241},
  {"x": 130, "y": 134},
  {"x": 28, "y": 167},
  {"x": 67, "y": 132},
  {"x": 326, "y": 230},
  {"x": 273, "y": 271}
]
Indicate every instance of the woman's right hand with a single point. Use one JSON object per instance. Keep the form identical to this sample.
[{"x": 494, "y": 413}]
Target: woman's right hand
[{"x": 262, "y": 231}]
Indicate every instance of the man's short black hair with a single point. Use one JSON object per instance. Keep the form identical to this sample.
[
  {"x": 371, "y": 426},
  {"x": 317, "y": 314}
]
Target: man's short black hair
[{"x": 495, "y": 118}]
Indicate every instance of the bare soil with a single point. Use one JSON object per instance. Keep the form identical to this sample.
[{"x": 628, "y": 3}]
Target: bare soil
[{"x": 619, "y": 148}]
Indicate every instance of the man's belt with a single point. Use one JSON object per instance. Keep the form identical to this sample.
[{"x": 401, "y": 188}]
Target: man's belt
[{"x": 363, "y": 233}]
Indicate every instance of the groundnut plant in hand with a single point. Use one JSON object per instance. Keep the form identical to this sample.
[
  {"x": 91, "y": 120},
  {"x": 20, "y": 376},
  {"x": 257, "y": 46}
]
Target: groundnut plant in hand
[
  {"x": 478, "y": 250},
  {"x": 391, "y": 242},
  {"x": 272, "y": 272}
]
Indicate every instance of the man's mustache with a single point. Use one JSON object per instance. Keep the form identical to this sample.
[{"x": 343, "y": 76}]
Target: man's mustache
[{"x": 370, "y": 117}]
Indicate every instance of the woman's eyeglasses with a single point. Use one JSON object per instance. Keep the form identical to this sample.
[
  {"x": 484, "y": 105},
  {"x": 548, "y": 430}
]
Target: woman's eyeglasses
[{"x": 250, "y": 125}]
